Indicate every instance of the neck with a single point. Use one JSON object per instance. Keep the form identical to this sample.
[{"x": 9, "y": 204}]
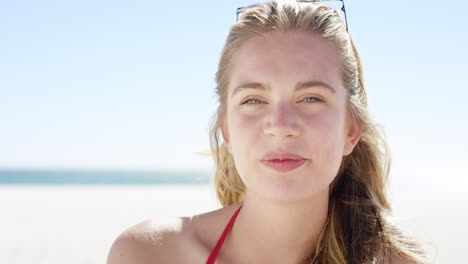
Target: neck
[{"x": 269, "y": 231}]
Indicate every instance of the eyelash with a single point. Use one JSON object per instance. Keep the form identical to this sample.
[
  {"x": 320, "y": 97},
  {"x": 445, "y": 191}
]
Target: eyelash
[{"x": 315, "y": 98}]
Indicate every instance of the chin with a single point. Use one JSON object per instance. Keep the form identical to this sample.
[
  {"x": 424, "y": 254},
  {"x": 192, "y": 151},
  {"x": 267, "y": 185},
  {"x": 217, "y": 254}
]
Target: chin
[{"x": 292, "y": 191}]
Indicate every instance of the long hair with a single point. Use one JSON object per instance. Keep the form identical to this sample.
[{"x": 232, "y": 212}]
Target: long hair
[{"x": 356, "y": 230}]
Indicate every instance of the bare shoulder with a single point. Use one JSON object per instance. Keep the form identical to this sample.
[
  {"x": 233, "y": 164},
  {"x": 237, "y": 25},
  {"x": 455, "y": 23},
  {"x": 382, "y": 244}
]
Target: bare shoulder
[
  {"x": 152, "y": 240},
  {"x": 171, "y": 240}
]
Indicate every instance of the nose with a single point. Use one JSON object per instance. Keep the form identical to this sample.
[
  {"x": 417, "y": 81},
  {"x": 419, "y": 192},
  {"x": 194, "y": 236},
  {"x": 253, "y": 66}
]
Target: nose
[{"x": 282, "y": 121}]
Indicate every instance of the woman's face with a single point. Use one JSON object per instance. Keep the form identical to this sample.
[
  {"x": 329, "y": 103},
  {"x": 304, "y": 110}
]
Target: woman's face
[{"x": 286, "y": 96}]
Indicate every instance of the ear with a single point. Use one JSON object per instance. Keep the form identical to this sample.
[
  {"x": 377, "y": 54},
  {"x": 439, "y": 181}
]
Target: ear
[
  {"x": 225, "y": 135},
  {"x": 352, "y": 137}
]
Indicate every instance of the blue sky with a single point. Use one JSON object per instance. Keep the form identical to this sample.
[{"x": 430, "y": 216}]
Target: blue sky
[{"x": 130, "y": 84}]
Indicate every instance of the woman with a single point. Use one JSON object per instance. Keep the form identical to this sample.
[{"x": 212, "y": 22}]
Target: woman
[{"x": 301, "y": 171}]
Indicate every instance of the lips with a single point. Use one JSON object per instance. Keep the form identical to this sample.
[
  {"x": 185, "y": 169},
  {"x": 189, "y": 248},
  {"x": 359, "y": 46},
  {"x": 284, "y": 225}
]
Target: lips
[
  {"x": 283, "y": 162},
  {"x": 282, "y": 156}
]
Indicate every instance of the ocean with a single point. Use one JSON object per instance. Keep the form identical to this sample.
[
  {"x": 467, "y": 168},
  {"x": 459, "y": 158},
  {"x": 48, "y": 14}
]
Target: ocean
[{"x": 96, "y": 177}]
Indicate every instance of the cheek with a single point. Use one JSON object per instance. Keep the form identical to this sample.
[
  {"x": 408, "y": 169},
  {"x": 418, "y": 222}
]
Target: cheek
[
  {"x": 327, "y": 124},
  {"x": 244, "y": 132},
  {"x": 243, "y": 125},
  {"x": 326, "y": 133}
]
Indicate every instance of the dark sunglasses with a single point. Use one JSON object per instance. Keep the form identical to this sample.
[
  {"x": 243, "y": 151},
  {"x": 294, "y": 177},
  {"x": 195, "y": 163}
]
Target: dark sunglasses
[{"x": 240, "y": 10}]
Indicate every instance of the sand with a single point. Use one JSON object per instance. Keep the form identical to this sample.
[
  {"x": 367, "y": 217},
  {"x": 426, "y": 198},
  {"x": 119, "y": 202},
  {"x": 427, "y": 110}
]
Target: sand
[
  {"x": 77, "y": 224},
  {"x": 70, "y": 224}
]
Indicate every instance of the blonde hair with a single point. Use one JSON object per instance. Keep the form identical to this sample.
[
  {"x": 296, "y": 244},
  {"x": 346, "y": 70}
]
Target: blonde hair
[{"x": 356, "y": 230}]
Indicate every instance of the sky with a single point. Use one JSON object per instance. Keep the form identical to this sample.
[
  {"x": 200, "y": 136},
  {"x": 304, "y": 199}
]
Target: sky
[{"x": 130, "y": 84}]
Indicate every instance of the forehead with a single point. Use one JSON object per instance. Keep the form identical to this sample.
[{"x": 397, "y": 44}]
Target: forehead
[{"x": 279, "y": 57}]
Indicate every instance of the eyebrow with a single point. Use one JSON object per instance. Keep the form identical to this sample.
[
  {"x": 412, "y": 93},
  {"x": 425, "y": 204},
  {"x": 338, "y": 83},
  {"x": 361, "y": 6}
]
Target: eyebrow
[{"x": 299, "y": 86}]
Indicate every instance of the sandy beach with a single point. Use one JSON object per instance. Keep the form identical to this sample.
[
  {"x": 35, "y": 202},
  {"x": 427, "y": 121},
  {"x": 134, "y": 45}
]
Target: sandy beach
[{"x": 77, "y": 224}]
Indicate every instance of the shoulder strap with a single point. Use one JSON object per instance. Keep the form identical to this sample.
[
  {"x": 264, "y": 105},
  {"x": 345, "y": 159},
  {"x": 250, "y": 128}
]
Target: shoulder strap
[{"x": 217, "y": 248}]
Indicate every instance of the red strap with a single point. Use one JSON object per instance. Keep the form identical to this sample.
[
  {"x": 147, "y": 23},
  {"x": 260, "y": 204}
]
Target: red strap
[{"x": 217, "y": 248}]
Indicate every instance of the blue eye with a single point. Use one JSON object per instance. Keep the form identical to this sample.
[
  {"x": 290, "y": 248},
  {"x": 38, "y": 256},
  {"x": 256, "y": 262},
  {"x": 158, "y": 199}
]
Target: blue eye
[
  {"x": 314, "y": 99},
  {"x": 257, "y": 101},
  {"x": 250, "y": 100}
]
